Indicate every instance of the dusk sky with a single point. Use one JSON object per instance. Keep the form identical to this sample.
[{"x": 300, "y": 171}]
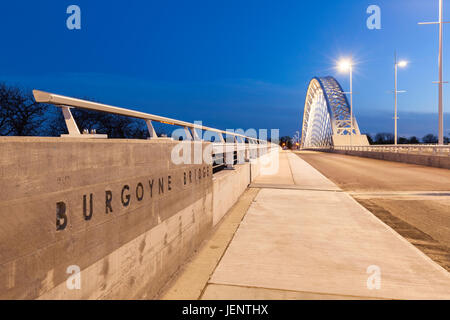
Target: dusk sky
[{"x": 231, "y": 64}]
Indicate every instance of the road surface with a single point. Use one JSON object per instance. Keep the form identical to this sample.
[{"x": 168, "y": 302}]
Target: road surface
[{"x": 413, "y": 200}]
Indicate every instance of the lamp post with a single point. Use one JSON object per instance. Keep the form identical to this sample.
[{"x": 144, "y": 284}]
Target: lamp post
[
  {"x": 347, "y": 65},
  {"x": 441, "y": 81},
  {"x": 397, "y": 64}
]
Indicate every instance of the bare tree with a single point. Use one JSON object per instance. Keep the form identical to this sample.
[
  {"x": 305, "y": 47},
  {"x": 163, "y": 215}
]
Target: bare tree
[
  {"x": 430, "y": 139},
  {"x": 115, "y": 126},
  {"x": 413, "y": 140},
  {"x": 384, "y": 138},
  {"x": 20, "y": 115},
  {"x": 4, "y": 111}
]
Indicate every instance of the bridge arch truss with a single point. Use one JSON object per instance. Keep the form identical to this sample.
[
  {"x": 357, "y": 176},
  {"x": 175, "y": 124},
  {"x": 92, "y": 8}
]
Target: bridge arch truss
[{"x": 326, "y": 114}]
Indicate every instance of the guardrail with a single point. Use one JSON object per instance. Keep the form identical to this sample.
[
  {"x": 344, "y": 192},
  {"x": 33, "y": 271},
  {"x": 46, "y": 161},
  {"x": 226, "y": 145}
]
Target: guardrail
[
  {"x": 235, "y": 149},
  {"x": 435, "y": 150}
]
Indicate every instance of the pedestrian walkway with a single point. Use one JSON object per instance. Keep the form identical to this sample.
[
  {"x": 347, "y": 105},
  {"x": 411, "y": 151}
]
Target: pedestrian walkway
[{"x": 304, "y": 238}]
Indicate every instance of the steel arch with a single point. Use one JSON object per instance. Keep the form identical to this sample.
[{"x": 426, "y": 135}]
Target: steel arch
[{"x": 326, "y": 113}]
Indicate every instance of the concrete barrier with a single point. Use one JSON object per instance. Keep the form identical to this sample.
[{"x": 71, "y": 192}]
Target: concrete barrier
[
  {"x": 419, "y": 159},
  {"x": 229, "y": 185},
  {"x": 103, "y": 219}
]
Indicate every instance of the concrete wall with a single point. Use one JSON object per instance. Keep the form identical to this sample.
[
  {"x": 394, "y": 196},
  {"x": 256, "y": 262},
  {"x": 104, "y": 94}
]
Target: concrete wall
[
  {"x": 347, "y": 140},
  {"x": 425, "y": 160},
  {"x": 148, "y": 215},
  {"x": 228, "y": 185}
]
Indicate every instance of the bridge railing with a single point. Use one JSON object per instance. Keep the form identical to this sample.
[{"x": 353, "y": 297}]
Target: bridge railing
[
  {"x": 226, "y": 155},
  {"x": 233, "y": 148},
  {"x": 435, "y": 150}
]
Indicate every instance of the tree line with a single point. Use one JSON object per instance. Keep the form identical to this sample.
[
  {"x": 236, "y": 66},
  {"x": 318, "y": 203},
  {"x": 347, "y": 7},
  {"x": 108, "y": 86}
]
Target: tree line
[
  {"x": 381, "y": 139},
  {"x": 389, "y": 138},
  {"x": 21, "y": 115}
]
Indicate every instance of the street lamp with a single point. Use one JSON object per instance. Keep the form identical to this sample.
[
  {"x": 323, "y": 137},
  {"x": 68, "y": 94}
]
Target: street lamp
[
  {"x": 344, "y": 66},
  {"x": 397, "y": 64},
  {"x": 402, "y": 63},
  {"x": 441, "y": 80}
]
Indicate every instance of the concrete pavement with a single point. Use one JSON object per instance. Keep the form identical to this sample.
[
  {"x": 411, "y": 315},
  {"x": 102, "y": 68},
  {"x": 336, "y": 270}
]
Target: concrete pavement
[
  {"x": 413, "y": 200},
  {"x": 304, "y": 238}
]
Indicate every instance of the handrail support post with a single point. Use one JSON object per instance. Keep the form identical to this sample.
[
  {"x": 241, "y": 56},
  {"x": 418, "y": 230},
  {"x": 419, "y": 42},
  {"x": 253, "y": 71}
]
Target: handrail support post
[
  {"x": 71, "y": 125},
  {"x": 151, "y": 130}
]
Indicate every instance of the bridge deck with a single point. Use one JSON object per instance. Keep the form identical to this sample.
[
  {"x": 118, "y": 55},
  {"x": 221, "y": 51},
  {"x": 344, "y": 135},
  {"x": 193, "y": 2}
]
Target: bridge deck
[{"x": 304, "y": 238}]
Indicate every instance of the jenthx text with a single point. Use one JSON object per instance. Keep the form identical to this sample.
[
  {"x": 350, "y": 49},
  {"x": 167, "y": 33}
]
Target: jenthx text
[{"x": 229, "y": 310}]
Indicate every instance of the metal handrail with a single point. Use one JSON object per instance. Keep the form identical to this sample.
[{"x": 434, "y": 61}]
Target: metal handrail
[
  {"x": 398, "y": 146},
  {"x": 67, "y": 102},
  {"x": 410, "y": 149},
  {"x": 226, "y": 153}
]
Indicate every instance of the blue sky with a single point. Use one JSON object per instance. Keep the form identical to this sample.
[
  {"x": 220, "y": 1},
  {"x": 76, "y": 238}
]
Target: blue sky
[{"x": 231, "y": 64}]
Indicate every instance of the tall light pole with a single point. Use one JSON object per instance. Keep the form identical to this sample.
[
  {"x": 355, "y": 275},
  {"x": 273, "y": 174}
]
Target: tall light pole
[
  {"x": 347, "y": 65},
  {"x": 397, "y": 64},
  {"x": 441, "y": 81}
]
